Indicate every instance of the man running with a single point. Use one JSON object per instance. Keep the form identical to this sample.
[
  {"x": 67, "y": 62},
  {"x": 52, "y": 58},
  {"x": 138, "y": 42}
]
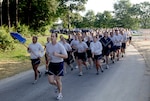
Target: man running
[
  {"x": 56, "y": 53},
  {"x": 107, "y": 44}
]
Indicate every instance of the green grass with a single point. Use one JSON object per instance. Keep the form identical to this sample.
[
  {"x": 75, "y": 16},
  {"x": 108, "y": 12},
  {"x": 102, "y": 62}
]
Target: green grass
[{"x": 20, "y": 51}]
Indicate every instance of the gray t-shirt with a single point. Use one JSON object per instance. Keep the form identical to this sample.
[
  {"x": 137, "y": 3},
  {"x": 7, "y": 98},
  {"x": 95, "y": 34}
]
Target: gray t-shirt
[
  {"x": 81, "y": 47},
  {"x": 59, "y": 48}
]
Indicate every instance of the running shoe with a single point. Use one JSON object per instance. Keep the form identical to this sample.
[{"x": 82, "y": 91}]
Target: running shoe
[
  {"x": 59, "y": 96},
  {"x": 102, "y": 70},
  {"x": 107, "y": 66},
  {"x": 40, "y": 74},
  {"x": 97, "y": 73},
  {"x": 46, "y": 72},
  {"x": 80, "y": 74},
  {"x": 113, "y": 61},
  {"x": 76, "y": 67},
  {"x": 34, "y": 82},
  {"x": 71, "y": 69}
]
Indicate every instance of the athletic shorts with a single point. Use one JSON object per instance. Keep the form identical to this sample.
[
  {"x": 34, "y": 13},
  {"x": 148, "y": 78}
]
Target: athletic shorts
[
  {"x": 113, "y": 49},
  {"x": 75, "y": 55},
  {"x": 106, "y": 52},
  {"x": 69, "y": 59},
  {"x": 56, "y": 69},
  {"x": 89, "y": 54},
  {"x": 123, "y": 45},
  {"x": 118, "y": 47},
  {"x": 98, "y": 57},
  {"x": 82, "y": 56},
  {"x": 35, "y": 62},
  {"x": 130, "y": 38}
]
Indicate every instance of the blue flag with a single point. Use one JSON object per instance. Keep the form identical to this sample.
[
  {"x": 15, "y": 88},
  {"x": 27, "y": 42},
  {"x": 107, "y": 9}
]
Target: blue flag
[{"x": 18, "y": 37}]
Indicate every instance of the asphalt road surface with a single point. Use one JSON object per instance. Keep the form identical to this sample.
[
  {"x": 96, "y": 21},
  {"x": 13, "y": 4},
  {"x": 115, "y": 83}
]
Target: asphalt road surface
[{"x": 123, "y": 81}]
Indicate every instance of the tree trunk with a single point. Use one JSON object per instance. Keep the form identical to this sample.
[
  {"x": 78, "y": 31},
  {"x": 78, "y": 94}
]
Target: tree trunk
[
  {"x": 8, "y": 14},
  {"x": 16, "y": 13},
  {"x": 29, "y": 10}
]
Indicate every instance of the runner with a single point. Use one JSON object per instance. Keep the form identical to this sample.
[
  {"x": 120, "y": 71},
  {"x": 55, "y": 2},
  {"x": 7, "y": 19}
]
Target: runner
[
  {"x": 56, "y": 53},
  {"x": 47, "y": 62},
  {"x": 118, "y": 43},
  {"x": 96, "y": 49},
  {"x": 74, "y": 44},
  {"x": 113, "y": 48},
  {"x": 70, "y": 58},
  {"x": 107, "y": 44},
  {"x": 124, "y": 41},
  {"x": 81, "y": 49},
  {"x": 36, "y": 52},
  {"x": 89, "y": 53}
]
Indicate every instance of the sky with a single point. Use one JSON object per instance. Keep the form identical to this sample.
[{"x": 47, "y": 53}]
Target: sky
[{"x": 102, "y": 5}]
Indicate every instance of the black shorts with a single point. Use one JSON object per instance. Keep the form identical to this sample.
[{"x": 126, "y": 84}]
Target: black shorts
[
  {"x": 130, "y": 38},
  {"x": 118, "y": 47},
  {"x": 75, "y": 55},
  {"x": 69, "y": 60},
  {"x": 113, "y": 49},
  {"x": 98, "y": 57},
  {"x": 89, "y": 54},
  {"x": 106, "y": 52},
  {"x": 35, "y": 62},
  {"x": 56, "y": 69},
  {"x": 123, "y": 45},
  {"x": 82, "y": 56}
]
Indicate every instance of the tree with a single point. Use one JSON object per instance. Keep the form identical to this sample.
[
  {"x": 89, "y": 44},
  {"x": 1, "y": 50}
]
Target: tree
[
  {"x": 123, "y": 14},
  {"x": 142, "y": 11},
  {"x": 67, "y": 8},
  {"x": 8, "y": 16},
  {"x": 16, "y": 13}
]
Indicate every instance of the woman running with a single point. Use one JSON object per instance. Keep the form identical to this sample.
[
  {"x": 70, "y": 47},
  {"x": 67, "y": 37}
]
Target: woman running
[
  {"x": 81, "y": 49},
  {"x": 96, "y": 49},
  {"x": 36, "y": 52}
]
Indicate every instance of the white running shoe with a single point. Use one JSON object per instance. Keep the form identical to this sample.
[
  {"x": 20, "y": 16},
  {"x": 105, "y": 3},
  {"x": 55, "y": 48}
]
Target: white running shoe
[
  {"x": 107, "y": 66},
  {"x": 76, "y": 67},
  {"x": 59, "y": 96},
  {"x": 35, "y": 81},
  {"x": 80, "y": 74}
]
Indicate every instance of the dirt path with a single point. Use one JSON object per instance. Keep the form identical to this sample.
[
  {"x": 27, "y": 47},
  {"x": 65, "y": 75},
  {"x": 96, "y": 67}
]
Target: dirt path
[{"x": 143, "y": 46}]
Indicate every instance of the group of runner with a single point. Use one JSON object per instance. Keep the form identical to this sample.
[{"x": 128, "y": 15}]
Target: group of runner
[{"x": 84, "y": 48}]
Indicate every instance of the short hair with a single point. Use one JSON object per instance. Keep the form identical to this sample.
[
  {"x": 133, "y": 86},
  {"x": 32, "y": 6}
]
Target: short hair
[
  {"x": 35, "y": 37},
  {"x": 55, "y": 34}
]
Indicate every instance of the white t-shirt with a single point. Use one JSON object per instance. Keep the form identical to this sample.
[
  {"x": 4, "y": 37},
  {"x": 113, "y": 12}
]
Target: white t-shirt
[
  {"x": 74, "y": 43},
  {"x": 124, "y": 37},
  {"x": 118, "y": 39},
  {"x": 67, "y": 46},
  {"x": 58, "y": 48},
  {"x": 81, "y": 47},
  {"x": 96, "y": 48},
  {"x": 36, "y": 50},
  {"x": 112, "y": 39}
]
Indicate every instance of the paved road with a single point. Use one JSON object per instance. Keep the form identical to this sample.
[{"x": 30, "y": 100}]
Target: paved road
[{"x": 123, "y": 81}]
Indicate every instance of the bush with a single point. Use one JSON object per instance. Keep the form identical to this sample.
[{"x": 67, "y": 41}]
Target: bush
[
  {"x": 6, "y": 41},
  {"x": 23, "y": 30}
]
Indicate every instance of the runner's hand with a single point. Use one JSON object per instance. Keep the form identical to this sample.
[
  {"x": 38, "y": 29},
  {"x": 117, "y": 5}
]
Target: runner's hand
[{"x": 55, "y": 54}]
